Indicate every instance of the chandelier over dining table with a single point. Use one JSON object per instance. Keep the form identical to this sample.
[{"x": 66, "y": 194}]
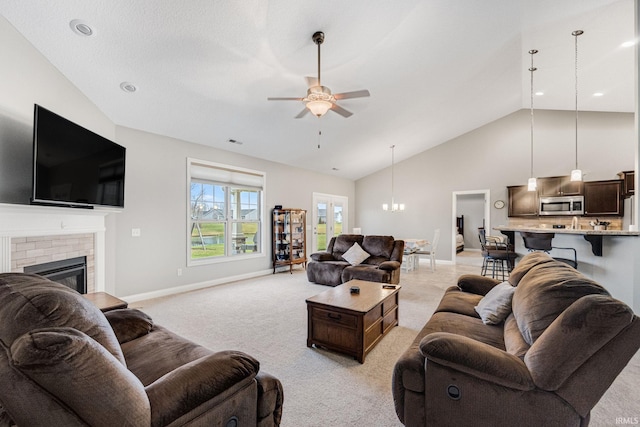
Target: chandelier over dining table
[{"x": 395, "y": 207}]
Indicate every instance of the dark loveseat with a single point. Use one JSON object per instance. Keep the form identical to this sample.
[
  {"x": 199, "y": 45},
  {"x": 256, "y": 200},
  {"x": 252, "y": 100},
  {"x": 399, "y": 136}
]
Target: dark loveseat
[
  {"x": 65, "y": 363},
  {"x": 562, "y": 344},
  {"x": 381, "y": 265}
]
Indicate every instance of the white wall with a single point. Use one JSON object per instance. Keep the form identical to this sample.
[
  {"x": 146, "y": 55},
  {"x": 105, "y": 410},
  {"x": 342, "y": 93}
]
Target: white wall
[
  {"x": 155, "y": 188},
  {"x": 497, "y": 155},
  {"x": 155, "y": 201},
  {"x": 27, "y": 78},
  {"x": 493, "y": 157}
]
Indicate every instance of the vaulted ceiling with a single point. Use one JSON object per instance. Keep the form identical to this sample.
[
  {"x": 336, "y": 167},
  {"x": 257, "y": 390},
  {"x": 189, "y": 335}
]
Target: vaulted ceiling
[{"x": 435, "y": 69}]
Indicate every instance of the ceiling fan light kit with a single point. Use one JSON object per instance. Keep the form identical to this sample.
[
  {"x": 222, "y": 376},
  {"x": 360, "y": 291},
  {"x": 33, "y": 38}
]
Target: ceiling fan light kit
[{"x": 319, "y": 98}]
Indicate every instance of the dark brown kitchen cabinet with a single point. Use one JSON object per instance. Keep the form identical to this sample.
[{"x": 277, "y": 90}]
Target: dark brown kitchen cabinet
[
  {"x": 559, "y": 186},
  {"x": 628, "y": 185},
  {"x": 603, "y": 198},
  {"x": 522, "y": 202}
]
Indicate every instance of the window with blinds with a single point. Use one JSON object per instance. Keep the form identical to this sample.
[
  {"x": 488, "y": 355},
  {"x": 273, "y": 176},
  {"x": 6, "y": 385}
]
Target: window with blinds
[{"x": 225, "y": 211}]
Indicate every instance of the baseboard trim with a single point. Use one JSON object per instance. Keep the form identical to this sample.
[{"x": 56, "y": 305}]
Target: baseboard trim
[{"x": 194, "y": 286}]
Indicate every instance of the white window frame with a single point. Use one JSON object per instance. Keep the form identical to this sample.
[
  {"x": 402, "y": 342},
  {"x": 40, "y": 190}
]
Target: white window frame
[{"x": 231, "y": 177}]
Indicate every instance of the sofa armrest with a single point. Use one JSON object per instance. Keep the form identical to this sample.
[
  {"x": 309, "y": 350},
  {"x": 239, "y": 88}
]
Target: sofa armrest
[
  {"x": 389, "y": 265},
  {"x": 476, "y": 284},
  {"x": 270, "y": 398},
  {"x": 185, "y": 388},
  {"x": 129, "y": 324},
  {"x": 478, "y": 359},
  {"x": 322, "y": 256}
]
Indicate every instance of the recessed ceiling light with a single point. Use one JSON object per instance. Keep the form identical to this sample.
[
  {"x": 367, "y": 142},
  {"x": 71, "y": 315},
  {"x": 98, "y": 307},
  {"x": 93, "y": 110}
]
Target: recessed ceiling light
[
  {"x": 81, "y": 28},
  {"x": 598, "y": 94},
  {"x": 539, "y": 93},
  {"x": 128, "y": 87},
  {"x": 629, "y": 43}
]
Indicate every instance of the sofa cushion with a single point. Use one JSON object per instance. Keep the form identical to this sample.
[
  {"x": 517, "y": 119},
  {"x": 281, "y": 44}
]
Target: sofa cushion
[
  {"x": 513, "y": 341},
  {"x": 129, "y": 324},
  {"x": 527, "y": 263},
  {"x": 545, "y": 292},
  {"x": 365, "y": 272},
  {"x": 176, "y": 352},
  {"x": 409, "y": 369},
  {"x": 326, "y": 272},
  {"x": 576, "y": 335},
  {"x": 322, "y": 256},
  {"x": 355, "y": 255},
  {"x": 495, "y": 306},
  {"x": 343, "y": 243},
  {"x": 91, "y": 374},
  {"x": 379, "y": 247},
  {"x": 456, "y": 301},
  {"x": 475, "y": 284},
  {"x": 30, "y": 302}
]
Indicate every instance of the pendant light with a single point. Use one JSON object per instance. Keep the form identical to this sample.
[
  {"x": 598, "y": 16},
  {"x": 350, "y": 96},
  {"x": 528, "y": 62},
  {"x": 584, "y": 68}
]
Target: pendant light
[
  {"x": 576, "y": 174},
  {"x": 532, "y": 184},
  {"x": 395, "y": 207}
]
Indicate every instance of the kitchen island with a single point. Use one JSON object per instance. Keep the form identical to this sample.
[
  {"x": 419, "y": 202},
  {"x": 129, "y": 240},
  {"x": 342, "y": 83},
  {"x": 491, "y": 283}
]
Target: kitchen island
[{"x": 594, "y": 237}]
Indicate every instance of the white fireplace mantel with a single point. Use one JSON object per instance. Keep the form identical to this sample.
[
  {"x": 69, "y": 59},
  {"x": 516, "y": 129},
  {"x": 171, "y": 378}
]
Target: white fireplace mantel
[{"x": 33, "y": 220}]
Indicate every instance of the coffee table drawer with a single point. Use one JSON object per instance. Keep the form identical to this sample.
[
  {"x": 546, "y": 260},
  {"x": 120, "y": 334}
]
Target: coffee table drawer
[
  {"x": 390, "y": 303},
  {"x": 390, "y": 320},
  {"x": 344, "y": 319}
]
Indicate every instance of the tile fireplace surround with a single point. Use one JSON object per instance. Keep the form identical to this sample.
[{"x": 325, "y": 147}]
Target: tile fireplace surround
[{"x": 35, "y": 234}]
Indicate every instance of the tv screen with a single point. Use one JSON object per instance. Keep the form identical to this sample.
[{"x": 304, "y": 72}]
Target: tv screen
[{"x": 73, "y": 166}]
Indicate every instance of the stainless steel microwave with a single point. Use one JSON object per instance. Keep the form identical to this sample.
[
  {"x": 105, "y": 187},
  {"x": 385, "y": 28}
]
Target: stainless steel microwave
[{"x": 562, "y": 205}]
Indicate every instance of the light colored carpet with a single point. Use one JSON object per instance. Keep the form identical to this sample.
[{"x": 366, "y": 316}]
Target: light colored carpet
[{"x": 266, "y": 317}]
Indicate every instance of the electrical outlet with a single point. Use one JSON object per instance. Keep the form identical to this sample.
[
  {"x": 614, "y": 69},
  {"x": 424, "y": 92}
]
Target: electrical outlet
[
  {"x": 179, "y": 272},
  {"x": 135, "y": 232}
]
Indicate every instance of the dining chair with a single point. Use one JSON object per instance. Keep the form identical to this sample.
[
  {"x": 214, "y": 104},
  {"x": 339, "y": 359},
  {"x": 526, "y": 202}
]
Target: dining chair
[{"x": 430, "y": 250}]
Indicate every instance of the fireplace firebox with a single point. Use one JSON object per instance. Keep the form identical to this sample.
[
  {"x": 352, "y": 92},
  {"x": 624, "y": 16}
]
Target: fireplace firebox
[{"x": 70, "y": 272}]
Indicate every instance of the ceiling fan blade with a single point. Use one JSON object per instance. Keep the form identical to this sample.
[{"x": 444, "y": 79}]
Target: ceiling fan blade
[
  {"x": 302, "y": 113},
  {"x": 354, "y": 94},
  {"x": 338, "y": 109},
  {"x": 311, "y": 81},
  {"x": 285, "y": 99}
]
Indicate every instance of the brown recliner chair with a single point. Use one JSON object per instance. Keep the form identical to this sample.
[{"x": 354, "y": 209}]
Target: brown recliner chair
[
  {"x": 65, "y": 363},
  {"x": 382, "y": 264}
]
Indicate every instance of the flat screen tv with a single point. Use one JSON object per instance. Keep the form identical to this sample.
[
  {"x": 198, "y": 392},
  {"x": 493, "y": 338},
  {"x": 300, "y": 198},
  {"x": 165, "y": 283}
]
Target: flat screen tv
[{"x": 73, "y": 166}]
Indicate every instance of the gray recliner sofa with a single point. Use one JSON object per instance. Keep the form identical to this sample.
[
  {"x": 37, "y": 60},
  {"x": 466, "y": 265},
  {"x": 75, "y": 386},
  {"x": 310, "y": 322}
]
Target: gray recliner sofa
[
  {"x": 382, "y": 264},
  {"x": 65, "y": 363}
]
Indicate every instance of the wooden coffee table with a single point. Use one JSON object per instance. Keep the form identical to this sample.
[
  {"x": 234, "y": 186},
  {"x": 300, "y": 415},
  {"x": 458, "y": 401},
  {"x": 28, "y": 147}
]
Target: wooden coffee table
[{"x": 352, "y": 323}]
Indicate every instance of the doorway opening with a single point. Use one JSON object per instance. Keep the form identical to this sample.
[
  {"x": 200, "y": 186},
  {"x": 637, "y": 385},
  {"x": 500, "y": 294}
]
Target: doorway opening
[{"x": 471, "y": 208}]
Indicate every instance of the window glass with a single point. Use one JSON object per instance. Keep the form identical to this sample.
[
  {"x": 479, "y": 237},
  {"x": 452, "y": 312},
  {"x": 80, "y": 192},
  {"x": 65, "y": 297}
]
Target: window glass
[{"x": 225, "y": 219}]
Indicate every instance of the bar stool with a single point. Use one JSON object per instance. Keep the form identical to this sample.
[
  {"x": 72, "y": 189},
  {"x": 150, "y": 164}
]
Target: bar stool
[
  {"x": 498, "y": 255},
  {"x": 542, "y": 242}
]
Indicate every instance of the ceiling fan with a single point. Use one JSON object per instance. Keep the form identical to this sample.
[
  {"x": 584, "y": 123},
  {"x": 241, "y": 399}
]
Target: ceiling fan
[{"x": 319, "y": 99}]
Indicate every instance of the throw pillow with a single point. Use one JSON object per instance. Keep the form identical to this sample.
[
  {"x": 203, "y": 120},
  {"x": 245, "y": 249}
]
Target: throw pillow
[
  {"x": 355, "y": 255},
  {"x": 495, "y": 306}
]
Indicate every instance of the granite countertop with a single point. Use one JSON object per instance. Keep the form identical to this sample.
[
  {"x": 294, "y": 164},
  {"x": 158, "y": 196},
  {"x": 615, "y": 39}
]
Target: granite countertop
[{"x": 581, "y": 231}]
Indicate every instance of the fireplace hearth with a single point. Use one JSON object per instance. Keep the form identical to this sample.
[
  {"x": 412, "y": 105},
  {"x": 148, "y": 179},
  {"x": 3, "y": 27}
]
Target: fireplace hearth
[{"x": 70, "y": 272}]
